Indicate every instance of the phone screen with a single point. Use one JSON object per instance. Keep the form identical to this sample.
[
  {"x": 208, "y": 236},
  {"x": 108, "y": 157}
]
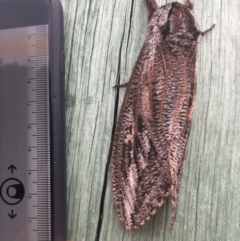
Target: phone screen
[{"x": 25, "y": 165}]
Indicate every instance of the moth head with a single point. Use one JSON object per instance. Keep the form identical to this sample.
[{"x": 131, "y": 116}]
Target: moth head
[
  {"x": 180, "y": 20},
  {"x": 180, "y": 31}
]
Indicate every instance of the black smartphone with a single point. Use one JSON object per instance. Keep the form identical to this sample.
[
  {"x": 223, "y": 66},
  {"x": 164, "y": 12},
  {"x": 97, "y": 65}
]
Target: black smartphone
[{"x": 32, "y": 121}]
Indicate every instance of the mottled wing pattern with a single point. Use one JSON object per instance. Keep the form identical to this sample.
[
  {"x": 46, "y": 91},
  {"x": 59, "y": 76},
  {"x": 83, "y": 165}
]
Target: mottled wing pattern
[
  {"x": 140, "y": 169},
  {"x": 154, "y": 123},
  {"x": 180, "y": 48},
  {"x": 140, "y": 179}
]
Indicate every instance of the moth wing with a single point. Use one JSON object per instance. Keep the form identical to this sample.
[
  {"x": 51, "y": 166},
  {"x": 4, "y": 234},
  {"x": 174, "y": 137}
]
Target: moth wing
[
  {"x": 182, "y": 124},
  {"x": 180, "y": 57},
  {"x": 140, "y": 171}
]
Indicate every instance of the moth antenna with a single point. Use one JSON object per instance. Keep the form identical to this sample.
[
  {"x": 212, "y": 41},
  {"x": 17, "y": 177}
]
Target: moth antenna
[
  {"x": 152, "y": 5},
  {"x": 206, "y": 31},
  {"x": 189, "y": 5}
]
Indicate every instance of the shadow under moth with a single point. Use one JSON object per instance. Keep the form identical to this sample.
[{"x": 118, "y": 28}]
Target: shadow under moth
[{"x": 154, "y": 123}]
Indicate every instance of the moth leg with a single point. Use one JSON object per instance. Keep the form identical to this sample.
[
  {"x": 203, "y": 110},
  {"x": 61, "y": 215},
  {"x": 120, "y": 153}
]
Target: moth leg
[
  {"x": 121, "y": 85},
  {"x": 152, "y": 5},
  {"x": 206, "y": 31}
]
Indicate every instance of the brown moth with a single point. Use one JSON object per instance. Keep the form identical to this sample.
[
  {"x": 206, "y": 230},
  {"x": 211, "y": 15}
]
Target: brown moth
[{"x": 154, "y": 124}]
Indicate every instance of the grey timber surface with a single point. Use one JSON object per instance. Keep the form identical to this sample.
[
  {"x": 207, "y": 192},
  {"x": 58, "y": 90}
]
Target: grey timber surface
[{"x": 102, "y": 41}]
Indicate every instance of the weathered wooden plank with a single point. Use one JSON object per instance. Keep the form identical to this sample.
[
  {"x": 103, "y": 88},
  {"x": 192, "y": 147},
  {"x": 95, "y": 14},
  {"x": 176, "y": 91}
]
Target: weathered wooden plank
[{"x": 103, "y": 39}]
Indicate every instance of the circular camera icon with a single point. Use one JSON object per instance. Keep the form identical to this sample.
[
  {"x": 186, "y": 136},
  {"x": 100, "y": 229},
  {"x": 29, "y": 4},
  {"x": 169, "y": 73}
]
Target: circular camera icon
[{"x": 12, "y": 191}]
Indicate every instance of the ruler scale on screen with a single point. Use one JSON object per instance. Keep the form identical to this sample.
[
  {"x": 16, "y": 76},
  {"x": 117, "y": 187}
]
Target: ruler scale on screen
[{"x": 25, "y": 176}]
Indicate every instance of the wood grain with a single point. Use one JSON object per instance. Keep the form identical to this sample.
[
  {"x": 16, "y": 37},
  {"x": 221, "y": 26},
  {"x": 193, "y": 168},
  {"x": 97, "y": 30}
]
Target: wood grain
[{"x": 102, "y": 41}]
